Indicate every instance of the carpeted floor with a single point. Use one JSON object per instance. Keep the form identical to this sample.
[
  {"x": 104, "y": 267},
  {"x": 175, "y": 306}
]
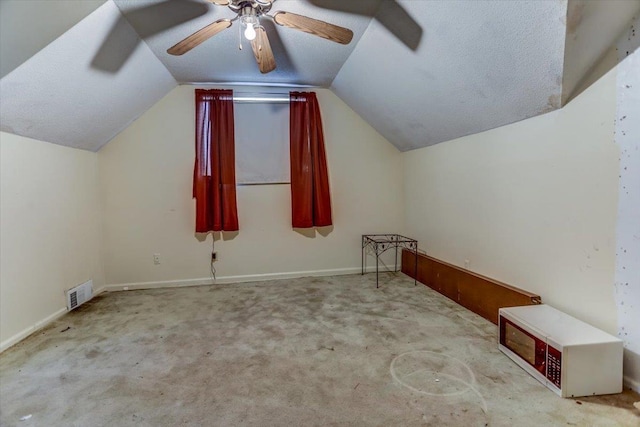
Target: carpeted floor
[{"x": 303, "y": 352}]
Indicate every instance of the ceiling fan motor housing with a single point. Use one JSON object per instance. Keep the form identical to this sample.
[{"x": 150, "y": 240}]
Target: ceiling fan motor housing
[{"x": 255, "y": 7}]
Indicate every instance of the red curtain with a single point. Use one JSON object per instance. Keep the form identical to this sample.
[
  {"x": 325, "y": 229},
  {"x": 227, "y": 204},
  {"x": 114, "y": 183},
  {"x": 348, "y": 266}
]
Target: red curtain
[
  {"x": 214, "y": 172},
  {"x": 310, "y": 198}
]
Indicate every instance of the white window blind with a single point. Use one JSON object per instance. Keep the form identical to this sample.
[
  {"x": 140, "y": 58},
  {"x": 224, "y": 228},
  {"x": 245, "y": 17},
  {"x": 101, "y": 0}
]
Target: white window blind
[{"x": 262, "y": 143}]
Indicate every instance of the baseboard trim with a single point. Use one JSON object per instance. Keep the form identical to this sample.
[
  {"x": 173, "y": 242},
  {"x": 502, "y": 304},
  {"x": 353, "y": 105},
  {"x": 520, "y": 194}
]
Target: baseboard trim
[
  {"x": 632, "y": 384},
  {"x": 39, "y": 325},
  {"x": 31, "y": 329},
  {"x": 205, "y": 281}
]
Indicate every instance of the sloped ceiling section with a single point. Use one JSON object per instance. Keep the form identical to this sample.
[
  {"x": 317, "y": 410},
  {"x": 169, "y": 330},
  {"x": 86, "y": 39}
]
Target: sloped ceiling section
[
  {"x": 592, "y": 28},
  {"x": 480, "y": 65},
  {"x": 62, "y": 95},
  {"x": 420, "y": 72},
  {"x": 50, "y": 18}
]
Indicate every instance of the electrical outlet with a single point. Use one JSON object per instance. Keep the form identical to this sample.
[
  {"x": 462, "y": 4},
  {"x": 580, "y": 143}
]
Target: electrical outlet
[
  {"x": 466, "y": 264},
  {"x": 214, "y": 256},
  {"x": 156, "y": 259}
]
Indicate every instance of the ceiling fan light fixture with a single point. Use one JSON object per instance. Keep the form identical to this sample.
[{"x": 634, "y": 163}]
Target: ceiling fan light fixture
[
  {"x": 250, "y": 32},
  {"x": 250, "y": 22}
]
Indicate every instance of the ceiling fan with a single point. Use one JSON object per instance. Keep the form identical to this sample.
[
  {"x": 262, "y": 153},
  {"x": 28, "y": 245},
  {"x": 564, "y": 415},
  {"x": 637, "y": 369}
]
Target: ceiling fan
[{"x": 249, "y": 13}]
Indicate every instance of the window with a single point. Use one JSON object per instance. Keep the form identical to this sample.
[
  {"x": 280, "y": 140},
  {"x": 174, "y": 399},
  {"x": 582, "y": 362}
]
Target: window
[{"x": 262, "y": 143}]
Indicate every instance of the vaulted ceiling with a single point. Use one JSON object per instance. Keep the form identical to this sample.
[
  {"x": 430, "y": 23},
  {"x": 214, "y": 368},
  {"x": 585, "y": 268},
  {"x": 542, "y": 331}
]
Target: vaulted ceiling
[{"x": 420, "y": 72}]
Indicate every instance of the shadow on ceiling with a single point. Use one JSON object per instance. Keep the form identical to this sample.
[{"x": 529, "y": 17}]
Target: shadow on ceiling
[
  {"x": 283, "y": 61},
  {"x": 157, "y": 17},
  {"x": 388, "y": 12}
]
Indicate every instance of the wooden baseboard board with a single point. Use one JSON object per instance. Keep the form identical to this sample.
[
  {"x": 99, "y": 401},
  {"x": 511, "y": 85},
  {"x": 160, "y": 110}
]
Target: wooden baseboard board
[{"x": 480, "y": 294}]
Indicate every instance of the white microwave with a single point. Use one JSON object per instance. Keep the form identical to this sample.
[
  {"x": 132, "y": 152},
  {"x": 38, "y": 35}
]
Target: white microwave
[{"x": 570, "y": 357}]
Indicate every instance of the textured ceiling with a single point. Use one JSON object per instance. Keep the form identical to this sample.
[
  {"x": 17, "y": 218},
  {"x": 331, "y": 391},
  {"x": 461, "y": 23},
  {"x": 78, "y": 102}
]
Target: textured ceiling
[
  {"x": 59, "y": 96},
  {"x": 420, "y": 72},
  {"x": 301, "y": 58},
  {"x": 51, "y": 18},
  {"x": 592, "y": 28},
  {"x": 481, "y": 64}
]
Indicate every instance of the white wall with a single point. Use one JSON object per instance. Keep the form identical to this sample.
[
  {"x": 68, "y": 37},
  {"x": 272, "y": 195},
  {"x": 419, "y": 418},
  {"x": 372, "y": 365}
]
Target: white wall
[
  {"x": 628, "y": 230},
  {"x": 145, "y": 180},
  {"x": 532, "y": 204},
  {"x": 50, "y": 227}
]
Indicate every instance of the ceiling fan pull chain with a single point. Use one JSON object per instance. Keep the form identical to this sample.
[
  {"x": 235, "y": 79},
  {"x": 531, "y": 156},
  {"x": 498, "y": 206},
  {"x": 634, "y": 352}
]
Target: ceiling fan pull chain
[{"x": 240, "y": 36}]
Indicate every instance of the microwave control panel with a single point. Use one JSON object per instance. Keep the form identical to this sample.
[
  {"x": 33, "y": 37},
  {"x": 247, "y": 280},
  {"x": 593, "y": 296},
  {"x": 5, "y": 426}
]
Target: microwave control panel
[{"x": 554, "y": 366}]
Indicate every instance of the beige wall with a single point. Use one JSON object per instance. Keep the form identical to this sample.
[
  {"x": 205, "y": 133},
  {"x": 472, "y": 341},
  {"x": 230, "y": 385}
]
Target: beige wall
[
  {"x": 50, "y": 236},
  {"x": 532, "y": 204},
  {"x": 145, "y": 181}
]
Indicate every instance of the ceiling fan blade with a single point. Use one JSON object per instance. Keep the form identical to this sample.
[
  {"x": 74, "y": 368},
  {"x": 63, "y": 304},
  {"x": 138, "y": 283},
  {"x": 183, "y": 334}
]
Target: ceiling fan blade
[
  {"x": 198, "y": 37},
  {"x": 313, "y": 26},
  {"x": 219, "y": 2},
  {"x": 262, "y": 51}
]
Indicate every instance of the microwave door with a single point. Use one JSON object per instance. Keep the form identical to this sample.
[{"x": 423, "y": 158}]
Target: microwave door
[{"x": 524, "y": 347}]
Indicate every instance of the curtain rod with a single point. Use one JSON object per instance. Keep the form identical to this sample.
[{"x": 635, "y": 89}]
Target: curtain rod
[
  {"x": 263, "y": 98},
  {"x": 249, "y": 84}
]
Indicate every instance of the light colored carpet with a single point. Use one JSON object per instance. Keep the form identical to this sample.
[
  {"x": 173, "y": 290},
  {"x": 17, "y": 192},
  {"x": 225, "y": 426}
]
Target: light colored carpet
[{"x": 314, "y": 351}]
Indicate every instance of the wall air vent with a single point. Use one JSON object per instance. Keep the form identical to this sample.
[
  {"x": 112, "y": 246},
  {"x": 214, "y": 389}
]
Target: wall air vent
[{"x": 79, "y": 295}]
